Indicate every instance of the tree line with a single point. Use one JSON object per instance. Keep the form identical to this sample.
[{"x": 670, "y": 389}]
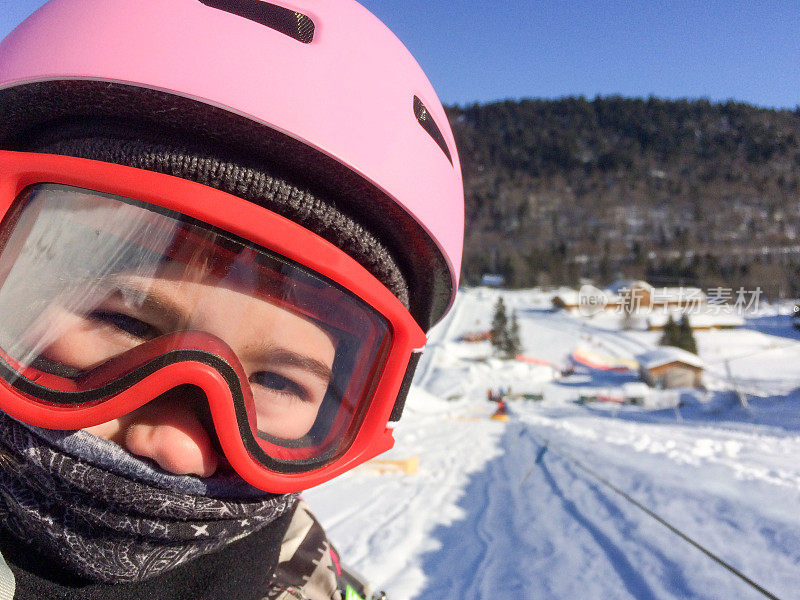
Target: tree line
[{"x": 676, "y": 192}]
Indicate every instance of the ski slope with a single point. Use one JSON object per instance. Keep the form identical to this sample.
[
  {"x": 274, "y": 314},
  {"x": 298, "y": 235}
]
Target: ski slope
[{"x": 522, "y": 509}]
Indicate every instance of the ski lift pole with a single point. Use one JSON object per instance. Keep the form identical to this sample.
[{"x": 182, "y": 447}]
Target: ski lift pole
[
  {"x": 742, "y": 397},
  {"x": 678, "y": 416}
]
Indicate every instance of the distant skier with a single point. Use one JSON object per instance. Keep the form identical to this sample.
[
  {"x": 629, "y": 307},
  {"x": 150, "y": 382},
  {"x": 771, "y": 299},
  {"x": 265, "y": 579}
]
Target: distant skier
[{"x": 501, "y": 412}]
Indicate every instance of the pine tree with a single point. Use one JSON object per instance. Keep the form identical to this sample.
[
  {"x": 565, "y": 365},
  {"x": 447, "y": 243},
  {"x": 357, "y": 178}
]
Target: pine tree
[
  {"x": 686, "y": 336},
  {"x": 679, "y": 334},
  {"x": 499, "y": 329},
  {"x": 670, "y": 333},
  {"x": 513, "y": 344}
]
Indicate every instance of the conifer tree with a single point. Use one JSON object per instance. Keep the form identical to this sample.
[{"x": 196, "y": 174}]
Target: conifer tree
[
  {"x": 513, "y": 344},
  {"x": 670, "y": 333},
  {"x": 679, "y": 334},
  {"x": 499, "y": 329},
  {"x": 686, "y": 336}
]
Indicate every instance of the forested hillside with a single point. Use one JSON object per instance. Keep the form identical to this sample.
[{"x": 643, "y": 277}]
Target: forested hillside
[{"x": 677, "y": 192}]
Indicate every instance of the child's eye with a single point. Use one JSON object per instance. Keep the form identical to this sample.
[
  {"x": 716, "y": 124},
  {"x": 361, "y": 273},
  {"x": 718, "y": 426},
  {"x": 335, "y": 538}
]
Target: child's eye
[
  {"x": 278, "y": 383},
  {"x": 126, "y": 323}
]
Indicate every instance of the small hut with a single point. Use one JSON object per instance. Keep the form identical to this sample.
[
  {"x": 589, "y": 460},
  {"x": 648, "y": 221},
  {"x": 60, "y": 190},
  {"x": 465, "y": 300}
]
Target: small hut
[
  {"x": 634, "y": 294},
  {"x": 639, "y": 295},
  {"x": 668, "y": 367},
  {"x": 493, "y": 280}
]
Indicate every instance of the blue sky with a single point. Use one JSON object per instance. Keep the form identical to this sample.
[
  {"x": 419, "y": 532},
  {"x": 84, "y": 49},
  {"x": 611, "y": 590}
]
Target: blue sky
[{"x": 479, "y": 50}]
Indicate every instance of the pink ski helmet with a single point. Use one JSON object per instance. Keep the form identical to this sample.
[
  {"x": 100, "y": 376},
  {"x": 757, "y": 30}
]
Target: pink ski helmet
[{"x": 322, "y": 89}]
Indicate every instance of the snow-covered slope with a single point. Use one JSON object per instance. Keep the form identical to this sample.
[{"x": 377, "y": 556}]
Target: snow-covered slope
[{"x": 522, "y": 509}]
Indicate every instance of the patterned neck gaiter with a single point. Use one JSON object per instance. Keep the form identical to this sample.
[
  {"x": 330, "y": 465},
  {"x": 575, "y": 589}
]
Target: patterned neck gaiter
[{"x": 107, "y": 525}]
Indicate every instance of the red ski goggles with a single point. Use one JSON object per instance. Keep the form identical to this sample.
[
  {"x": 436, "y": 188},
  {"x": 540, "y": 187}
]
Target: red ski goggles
[{"x": 119, "y": 285}]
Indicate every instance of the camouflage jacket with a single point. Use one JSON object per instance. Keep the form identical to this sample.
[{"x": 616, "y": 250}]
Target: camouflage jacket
[{"x": 308, "y": 565}]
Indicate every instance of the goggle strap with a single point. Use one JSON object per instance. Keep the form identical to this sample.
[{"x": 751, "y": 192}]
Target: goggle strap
[{"x": 399, "y": 404}]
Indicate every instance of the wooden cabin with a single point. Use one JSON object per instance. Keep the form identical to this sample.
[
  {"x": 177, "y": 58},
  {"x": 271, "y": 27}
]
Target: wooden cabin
[{"x": 667, "y": 367}]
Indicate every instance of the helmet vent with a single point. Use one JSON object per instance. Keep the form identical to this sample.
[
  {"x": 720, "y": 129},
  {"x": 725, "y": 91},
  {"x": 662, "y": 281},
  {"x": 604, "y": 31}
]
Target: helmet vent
[
  {"x": 425, "y": 119},
  {"x": 288, "y": 22}
]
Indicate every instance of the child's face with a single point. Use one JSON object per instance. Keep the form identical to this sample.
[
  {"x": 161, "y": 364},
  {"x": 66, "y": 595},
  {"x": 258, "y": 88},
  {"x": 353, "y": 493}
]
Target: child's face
[{"x": 287, "y": 359}]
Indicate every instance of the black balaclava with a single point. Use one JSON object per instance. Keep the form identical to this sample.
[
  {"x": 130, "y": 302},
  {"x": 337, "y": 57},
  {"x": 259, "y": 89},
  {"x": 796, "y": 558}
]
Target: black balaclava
[
  {"x": 101, "y": 512},
  {"x": 107, "y": 516}
]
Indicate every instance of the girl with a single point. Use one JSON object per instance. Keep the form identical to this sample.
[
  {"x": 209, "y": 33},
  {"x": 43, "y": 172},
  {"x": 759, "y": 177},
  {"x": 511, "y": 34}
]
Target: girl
[{"x": 226, "y": 225}]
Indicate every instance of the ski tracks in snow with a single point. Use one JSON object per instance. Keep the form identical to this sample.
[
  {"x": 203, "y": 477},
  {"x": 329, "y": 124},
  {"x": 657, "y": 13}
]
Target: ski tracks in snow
[
  {"x": 498, "y": 510},
  {"x": 648, "y": 559},
  {"x": 534, "y": 525},
  {"x": 487, "y": 544},
  {"x": 535, "y": 528}
]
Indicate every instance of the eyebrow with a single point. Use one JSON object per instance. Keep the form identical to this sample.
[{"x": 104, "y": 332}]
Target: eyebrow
[
  {"x": 151, "y": 301},
  {"x": 289, "y": 358}
]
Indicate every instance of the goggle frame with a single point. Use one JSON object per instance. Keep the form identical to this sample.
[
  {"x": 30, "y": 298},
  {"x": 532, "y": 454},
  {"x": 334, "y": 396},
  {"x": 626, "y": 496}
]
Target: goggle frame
[{"x": 262, "y": 227}]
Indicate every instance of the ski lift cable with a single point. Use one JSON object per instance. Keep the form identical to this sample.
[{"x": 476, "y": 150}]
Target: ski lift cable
[
  {"x": 546, "y": 446},
  {"x": 761, "y": 351}
]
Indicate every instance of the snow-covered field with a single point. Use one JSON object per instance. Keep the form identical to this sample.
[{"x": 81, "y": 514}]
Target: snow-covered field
[{"x": 533, "y": 507}]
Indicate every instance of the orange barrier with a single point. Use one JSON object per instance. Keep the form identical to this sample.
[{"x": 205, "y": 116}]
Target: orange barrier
[
  {"x": 594, "y": 360},
  {"x": 409, "y": 466},
  {"x": 535, "y": 361}
]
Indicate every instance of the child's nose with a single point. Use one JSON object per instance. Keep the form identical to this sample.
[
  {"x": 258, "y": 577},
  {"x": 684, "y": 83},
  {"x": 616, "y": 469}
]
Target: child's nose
[{"x": 171, "y": 431}]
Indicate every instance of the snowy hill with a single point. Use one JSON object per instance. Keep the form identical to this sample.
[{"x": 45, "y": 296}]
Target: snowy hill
[{"x": 542, "y": 506}]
